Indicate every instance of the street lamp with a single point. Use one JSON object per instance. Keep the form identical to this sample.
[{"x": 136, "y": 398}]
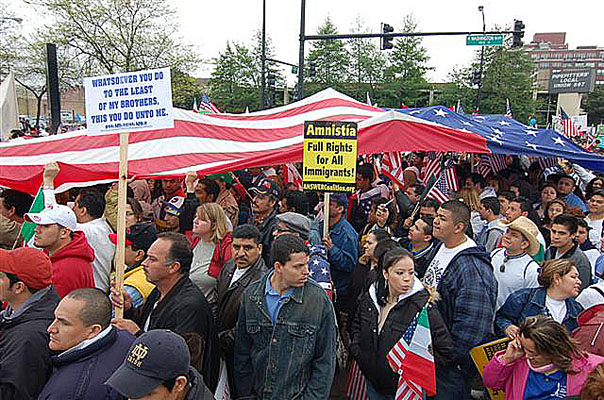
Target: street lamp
[{"x": 484, "y": 29}]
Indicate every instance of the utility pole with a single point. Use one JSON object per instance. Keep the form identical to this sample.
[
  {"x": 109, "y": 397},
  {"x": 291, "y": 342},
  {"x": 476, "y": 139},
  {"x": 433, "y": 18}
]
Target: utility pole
[
  {"x": 301, "y": 54},
  {"x": 263, "y": 58},
  {"x": 484, "y": 29}
]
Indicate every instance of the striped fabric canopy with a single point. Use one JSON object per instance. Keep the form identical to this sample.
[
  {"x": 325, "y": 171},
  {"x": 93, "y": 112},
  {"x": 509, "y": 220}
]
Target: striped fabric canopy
[{"x": 221, "y": 142}]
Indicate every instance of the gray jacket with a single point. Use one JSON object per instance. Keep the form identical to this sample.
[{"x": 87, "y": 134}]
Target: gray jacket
[
  {"x": 579, "y": 258},
  {"x": 293, "y": 359}
]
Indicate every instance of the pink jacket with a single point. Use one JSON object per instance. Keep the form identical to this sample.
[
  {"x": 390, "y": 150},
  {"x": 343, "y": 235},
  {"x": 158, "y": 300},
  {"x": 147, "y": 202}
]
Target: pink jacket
[{"x": 512, "y": 377}]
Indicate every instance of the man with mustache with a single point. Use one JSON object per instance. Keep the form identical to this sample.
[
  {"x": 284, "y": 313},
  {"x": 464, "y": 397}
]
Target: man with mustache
[{"x": 246, "y": 266}]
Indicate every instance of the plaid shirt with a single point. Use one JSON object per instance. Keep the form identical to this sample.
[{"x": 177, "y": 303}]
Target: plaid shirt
[{"x": 468, "y": 291}]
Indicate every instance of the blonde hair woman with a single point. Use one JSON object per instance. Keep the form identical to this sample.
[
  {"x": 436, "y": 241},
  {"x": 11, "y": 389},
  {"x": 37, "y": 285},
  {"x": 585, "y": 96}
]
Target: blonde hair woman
[
  {"x": 470, "y": 198},
  {"x": 212, "y": 248}
]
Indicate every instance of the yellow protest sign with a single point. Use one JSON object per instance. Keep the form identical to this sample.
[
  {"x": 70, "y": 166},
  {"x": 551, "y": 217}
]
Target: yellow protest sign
[
  {"x": 330, "y": 156},
  {"x": 481, "y": 355}
]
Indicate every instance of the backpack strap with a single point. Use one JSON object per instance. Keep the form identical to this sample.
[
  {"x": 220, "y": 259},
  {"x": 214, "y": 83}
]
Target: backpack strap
[
  {"x": 597, "y": 289},
  {"x": 526, "y": 267}
]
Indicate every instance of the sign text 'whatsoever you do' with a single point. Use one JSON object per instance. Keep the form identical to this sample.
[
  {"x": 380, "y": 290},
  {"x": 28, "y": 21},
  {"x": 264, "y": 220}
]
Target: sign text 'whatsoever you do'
[
  {"x": 129, "y": 102},
  {"x": 330, "y": 154}
]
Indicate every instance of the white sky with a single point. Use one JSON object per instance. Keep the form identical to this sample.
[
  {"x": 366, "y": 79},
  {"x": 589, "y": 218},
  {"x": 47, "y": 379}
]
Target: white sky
[{"x": 208, "y": 25}]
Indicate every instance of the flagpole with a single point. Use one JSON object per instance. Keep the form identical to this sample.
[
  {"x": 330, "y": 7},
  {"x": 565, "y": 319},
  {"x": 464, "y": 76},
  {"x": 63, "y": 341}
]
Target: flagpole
[
  {"x": 325, "y": 214},
  {"x": 121, "y": 220}
]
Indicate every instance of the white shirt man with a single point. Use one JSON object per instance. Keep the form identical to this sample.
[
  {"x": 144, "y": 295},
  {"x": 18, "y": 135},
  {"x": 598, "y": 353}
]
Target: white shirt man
[{"x": 513, "y": 265}]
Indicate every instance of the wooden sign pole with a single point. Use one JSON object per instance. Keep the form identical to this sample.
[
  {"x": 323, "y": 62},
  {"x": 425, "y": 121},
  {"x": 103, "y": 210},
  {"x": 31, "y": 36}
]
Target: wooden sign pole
[
  {"x": 121, "y": 218},
  {"x": 325, "y": 214}
]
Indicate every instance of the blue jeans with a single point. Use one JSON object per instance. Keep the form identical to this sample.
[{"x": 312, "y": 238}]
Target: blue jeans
[
  {"x": 375, "y": 395},
  {"x": 452, "y": 384}
]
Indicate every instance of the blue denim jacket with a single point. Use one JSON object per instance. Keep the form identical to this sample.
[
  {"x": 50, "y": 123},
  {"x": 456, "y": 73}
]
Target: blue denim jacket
[
  {"x": 293, "y": 359},
  {"x": 529, "y": 302}
]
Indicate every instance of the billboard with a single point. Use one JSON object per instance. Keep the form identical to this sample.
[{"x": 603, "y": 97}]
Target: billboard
[{"x": 572, "y": 81}]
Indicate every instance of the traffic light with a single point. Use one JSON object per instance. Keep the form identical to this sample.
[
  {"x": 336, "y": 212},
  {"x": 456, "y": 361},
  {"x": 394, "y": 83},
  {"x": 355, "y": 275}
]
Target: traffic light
[
  {"x": 476, "y": 78},
  {"x": 312, "y": 69},
  {"x": 518, "y": 33},
  {"x": 386, "y": 41}
]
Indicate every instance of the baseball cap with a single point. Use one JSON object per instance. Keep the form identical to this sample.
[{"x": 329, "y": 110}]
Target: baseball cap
[
  {"x": 140, "y": 235},
  {"x": 228, "y": 178},
  {"x": 54, "y": 214},
  {"x": 154, "y": 357},
  {"x": 528, "y": 229},
  {"x": 174, "y": 206},
  {"x": 340, "y": 199},
  {"x": 30, "y": 265},
  {"x": 267, "y": 187},
  {"x": 296, "y": 223}
]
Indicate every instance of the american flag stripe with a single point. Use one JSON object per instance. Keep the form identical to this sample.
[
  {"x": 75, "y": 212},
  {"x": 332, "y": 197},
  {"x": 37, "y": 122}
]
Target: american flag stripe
[
  {"x": 451, "y": 179},
  {"x": 292, "y": 175},
  {"x": 408, "y": 390},
  {"x": 356, "y": 386},
  {"x": 569, "y": 128}
]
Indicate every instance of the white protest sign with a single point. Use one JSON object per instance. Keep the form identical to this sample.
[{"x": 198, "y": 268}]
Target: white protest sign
[{"x": 131, "y": 101}]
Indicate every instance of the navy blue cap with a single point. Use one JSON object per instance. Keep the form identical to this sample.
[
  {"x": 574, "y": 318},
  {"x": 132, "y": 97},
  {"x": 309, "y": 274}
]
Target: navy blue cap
[
  {"x": 267, "y": 187},
  {"x": 340, "y": 199},
  {"x": 154, "y": 357}
]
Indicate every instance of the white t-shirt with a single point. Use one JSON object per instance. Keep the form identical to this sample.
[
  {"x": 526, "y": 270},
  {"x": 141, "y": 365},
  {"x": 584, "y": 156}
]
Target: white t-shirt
[
  {"x": 595, "y": 233},
  {"x": 518, "y": 272},
  {"x": 441, "y": 261},
  {"x": 238, "y": 273},
  {"x": 557, "y": 309},
  {"x": 590, "y": 296}
]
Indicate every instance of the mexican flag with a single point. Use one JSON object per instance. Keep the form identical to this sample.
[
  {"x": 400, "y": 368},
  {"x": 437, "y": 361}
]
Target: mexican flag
[
  {"x": 27, "y": 229},
  {"x": 412, "y": 357}
]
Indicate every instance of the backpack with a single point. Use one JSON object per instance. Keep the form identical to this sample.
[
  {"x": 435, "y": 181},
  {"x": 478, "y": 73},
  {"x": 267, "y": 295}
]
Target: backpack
[{"x": 590, "y": 333}]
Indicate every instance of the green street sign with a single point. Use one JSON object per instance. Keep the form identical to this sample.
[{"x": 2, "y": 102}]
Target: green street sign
[
  {"x": 484, "y": 40},
  {"x": 294, "y": 69}
]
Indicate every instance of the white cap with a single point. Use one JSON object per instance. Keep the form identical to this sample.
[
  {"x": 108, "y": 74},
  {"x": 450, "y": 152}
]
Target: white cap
[{"x": 54, "y": 214}]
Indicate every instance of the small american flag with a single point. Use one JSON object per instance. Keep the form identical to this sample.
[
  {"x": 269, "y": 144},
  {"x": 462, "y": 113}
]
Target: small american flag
[
  {"x": 407, "y": 389},
  {"x": 508, "y": 109},
  {"x": 451, "y": 176},
  {"x": 439, "y": 190},
  {"x": 569, "y": 129},
  {"x": 356, "y": 387},
  {"x": 547, "y": 162},
  {"x": 433, "y": 167},
  {"x": 491, "y": 163},
  {"x": 206, "y": 106}
]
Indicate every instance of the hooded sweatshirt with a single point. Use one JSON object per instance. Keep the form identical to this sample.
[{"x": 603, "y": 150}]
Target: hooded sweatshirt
[
  {"x": 72, "y": 265},
  {"x": 24, "y": 354}
]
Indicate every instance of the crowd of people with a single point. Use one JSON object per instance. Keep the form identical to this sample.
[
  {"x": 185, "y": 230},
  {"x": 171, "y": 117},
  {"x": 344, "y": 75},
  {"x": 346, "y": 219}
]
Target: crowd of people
[{"x": 231, "y": 287}]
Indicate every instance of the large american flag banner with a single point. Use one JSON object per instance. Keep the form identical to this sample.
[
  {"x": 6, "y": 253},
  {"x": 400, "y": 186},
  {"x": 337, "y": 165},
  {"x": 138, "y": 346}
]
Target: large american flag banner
[
  {"x": 505, "y": 135},
  {"x": 221, "y": 142}
]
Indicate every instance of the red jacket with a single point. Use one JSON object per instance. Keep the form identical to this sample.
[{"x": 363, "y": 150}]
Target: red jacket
[
  {"x": 71, "y": 265},
  {"x": 222, "y": 252}
]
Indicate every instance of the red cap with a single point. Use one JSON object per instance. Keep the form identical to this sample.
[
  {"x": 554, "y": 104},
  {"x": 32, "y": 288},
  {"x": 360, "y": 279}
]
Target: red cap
[{"x": 31, "y": 266}]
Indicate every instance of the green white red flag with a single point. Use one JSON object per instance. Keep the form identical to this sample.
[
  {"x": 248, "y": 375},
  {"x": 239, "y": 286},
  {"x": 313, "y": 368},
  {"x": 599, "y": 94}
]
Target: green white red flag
[
  {"x": 28, "y": 228},
  {"x": 412, "y": 358}
]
